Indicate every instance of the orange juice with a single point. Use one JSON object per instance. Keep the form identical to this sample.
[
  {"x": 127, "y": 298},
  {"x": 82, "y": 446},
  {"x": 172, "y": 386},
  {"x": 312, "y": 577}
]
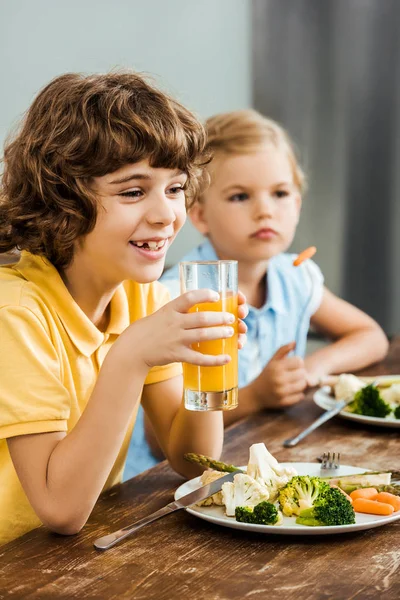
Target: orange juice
[{"x": 216, "y": 379}]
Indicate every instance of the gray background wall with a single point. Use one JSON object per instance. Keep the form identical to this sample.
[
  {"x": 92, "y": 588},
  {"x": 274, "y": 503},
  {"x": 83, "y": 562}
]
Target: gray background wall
[
  {"x": 199, "y": 51},
  {"x": 329, "y": 70}
]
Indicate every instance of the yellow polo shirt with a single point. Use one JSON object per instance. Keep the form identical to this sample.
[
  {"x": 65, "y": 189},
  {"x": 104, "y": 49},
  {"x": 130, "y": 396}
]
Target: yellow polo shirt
[{"x": 50, "y": 357}]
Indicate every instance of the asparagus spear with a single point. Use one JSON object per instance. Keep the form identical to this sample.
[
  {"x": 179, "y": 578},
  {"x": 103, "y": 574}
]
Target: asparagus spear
[
  {"x": 210, "y": 463},
  {"x": 394, "y": 476},
  {"x": 392, "y": 489}
]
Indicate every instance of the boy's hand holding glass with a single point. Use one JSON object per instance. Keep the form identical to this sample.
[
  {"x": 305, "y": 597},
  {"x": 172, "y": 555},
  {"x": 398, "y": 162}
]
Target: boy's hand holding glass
[
  {"x": 167, "y": 335},
  {"x": 213, "y": 387}
]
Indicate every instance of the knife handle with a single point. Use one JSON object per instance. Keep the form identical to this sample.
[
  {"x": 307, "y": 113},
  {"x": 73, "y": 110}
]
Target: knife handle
[
  {"x": 107, "y": 541},
  {"x": 324, "y": 417}
]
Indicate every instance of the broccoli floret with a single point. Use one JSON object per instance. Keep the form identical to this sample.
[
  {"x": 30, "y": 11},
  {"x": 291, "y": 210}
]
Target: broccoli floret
[
  {"x": 264, "y": 513},
  {"x": 331, "y": 508},
  {"x": 396, "y": 412},
  {"x": 370, "y": 403},
  {"x": 300, "y": 493},
  {"x": 244, "y": 514}
]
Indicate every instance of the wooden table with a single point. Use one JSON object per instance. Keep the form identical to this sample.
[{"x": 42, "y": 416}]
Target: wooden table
[{"x": 183, "y": 557}]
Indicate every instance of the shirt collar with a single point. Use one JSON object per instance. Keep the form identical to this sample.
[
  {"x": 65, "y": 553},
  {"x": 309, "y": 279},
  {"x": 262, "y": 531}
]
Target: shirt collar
[{"x": 80, "y": 329}]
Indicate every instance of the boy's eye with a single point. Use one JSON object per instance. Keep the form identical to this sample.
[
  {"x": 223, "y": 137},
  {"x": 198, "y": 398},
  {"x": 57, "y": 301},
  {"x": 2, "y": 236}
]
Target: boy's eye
[
  {"x": 240, "y": 197},
  {"x": 176, "y": 189},
  {"x": 132, "y": 194}
]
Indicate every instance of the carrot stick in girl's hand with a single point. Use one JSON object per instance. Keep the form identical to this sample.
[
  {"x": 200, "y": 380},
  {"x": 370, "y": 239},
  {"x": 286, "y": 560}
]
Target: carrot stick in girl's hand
[
  {"x": 307, "y": 253},
  {"x": 372, "y": 507}
]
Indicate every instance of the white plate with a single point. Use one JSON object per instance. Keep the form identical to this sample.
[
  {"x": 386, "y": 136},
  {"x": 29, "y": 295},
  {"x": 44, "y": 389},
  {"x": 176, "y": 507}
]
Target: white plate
[
  {"x": 216, "y": 514},
  {"x": 325, "y": 400}
]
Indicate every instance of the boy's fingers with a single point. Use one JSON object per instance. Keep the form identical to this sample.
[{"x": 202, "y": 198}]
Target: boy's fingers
[
  {"x": 183, "y": 303},
  {"x": 242, "y": 327},
  {"x": 243, "y": 311},
  {"x": 241, "y": 298},
  {"x": 284, "y": 351},
  {"x": 195, "y": 336},
  {"x": 206, "y": 360},
  {"x": 242, "y": 339},
  {"x": 207, "y": 319}
]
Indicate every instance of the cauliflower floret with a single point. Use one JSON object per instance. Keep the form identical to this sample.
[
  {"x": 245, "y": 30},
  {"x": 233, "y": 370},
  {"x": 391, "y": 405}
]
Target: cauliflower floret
[
  {"x": 347, "y": 386},
  {"x": 392, "y": 394},
  {"x": 243, "y": 491},
  {"x": 208, "y": 477},
  {"x": 265, "y": 469}
]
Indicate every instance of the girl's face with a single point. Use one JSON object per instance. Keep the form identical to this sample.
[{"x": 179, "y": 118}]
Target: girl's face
[
  {"x": 252, "y": 207},
  {"x": 141, "y": 209}
]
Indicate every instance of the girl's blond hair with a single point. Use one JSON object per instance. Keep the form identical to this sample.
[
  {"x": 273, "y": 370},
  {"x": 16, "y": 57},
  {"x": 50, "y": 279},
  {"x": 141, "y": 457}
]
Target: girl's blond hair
[{"x": 247, "y": 131}]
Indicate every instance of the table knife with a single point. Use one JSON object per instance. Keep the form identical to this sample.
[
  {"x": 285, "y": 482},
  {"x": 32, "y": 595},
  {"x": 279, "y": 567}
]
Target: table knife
[{"x": 201, "y": 493}]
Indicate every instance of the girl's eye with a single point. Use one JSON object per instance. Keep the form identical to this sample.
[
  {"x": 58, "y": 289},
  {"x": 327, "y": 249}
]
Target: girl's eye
[
  {"x": 239, "y": 197},
  {"x": 132, "y": 194},
  {"x": 281, "y": 193}
]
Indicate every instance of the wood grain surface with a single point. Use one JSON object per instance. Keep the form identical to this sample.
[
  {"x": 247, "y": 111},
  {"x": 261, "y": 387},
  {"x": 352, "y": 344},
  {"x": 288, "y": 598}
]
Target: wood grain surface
[{"x": 181, "y": 556}]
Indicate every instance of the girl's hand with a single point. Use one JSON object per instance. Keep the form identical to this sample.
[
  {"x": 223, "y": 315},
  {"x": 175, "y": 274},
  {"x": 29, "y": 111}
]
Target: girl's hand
[
  {"x": 166, "y": 336},
  {"x": 283, "y": 380}
]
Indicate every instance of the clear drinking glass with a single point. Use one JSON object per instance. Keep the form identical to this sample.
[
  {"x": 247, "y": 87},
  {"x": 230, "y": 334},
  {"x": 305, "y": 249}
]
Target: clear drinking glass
[{"x": 212, "y": 388}]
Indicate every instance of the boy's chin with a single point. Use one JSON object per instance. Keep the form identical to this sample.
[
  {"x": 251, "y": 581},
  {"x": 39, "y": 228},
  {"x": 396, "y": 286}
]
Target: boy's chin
[{"x": 149, "y": 275}]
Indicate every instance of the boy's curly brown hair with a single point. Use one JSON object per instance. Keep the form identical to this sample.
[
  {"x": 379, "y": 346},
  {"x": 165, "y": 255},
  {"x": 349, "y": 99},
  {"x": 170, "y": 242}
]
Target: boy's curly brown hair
[{"x": 80, "y": 127}]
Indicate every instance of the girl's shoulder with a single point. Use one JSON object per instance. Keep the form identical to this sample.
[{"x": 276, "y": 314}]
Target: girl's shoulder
[
  {"x": 282, "y": 264},
  {"x": 296, "y": 284}
]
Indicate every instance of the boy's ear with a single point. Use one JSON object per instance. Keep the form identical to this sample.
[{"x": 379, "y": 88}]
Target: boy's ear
[{"x": 197, "y": 217}]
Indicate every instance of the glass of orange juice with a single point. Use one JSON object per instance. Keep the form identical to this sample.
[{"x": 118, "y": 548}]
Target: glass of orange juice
[{"x": 212, "y": 388}]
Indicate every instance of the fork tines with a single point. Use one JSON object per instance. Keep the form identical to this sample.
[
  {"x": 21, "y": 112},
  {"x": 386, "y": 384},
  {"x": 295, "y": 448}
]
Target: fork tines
[{"x": 330, "y": 462}]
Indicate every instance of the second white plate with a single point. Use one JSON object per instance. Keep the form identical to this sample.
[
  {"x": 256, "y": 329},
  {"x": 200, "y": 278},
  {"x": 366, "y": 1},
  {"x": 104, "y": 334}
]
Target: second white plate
[{"x": 324, "y": 399}]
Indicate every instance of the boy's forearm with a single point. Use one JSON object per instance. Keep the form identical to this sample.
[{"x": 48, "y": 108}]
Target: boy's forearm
[
  {"x": 80, "y": 464},
  {"x": 351, "y": 353},
  {"x": 194, "y": 431}
]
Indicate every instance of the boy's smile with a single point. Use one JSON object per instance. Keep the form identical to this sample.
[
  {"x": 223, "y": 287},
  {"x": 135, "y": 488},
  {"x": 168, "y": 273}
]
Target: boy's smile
[
  {"x": 141, "y": 209},
  {"x": 153, "y": 249}
]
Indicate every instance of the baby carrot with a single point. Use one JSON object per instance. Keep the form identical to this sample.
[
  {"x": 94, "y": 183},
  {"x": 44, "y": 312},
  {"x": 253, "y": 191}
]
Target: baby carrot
[
  {"x": 307, "y": 253},
  {"x": 369, "y": 493},
  {"x": 372, "y": 507},
  {"x": 389, "y": 499}
]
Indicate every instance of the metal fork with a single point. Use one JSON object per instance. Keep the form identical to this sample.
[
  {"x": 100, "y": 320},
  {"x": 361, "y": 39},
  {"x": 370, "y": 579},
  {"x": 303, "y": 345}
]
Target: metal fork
[{"x": 328, "y": 462}]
